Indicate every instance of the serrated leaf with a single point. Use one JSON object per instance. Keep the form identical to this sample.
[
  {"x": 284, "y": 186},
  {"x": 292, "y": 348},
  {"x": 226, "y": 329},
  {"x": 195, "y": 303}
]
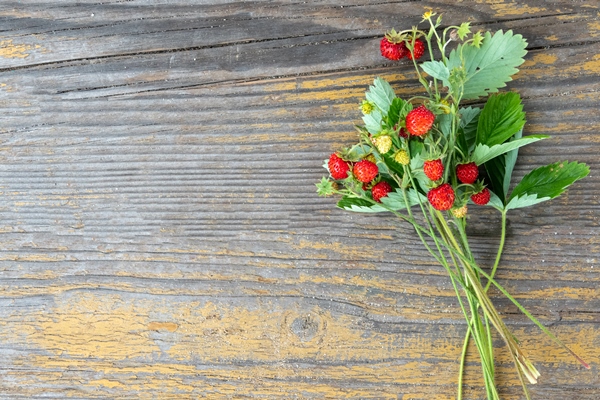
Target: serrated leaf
[
  {"x": 394, "y": 201},
  {"x": 525, "y": 200},
  {"x": 393, "y": 165},
  {"x": 489, "y": 66},
  {"x": 373, "y": 121},
  {"x": 382, "y": 94},
  {"x": 495, "y": 202},
  {"x": 469, "y": 118},
  {"x": 416, "y": 164},
  {"x": 500, "y": 170},
  {"x": 496, "y": 169},
  {"x": 545, "y": 183},
  {"x": 484, "y": 153},
  {"x": 398, "y": 109},
  {"x": 359, "y": 205},
  {"x": 356, "y": 152},
  {"x": 510, "y": 159},
  {"x": 501, "y": 117},
  {"x": 436, "y": 69},
  {"x": 444, "y": 123}
]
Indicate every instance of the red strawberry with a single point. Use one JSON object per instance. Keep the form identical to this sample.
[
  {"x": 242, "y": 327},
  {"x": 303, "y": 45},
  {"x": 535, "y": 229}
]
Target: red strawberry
[
  {"x": 365, "y": 171},
  {"x": 419, "y": 121},
  {"x": 441, "y": 197},
  {"x": 402, "y": 133},
  {"x": 338, "y": 168},
  {"x": 467, "y": 173},
  {"x": 392, "y": 51},
  {"x": 481, "y": 198},
  {"x": 380, "y": 190},
  {"x": 434, "y": 169},
  {"x": 418, "y": 50}
]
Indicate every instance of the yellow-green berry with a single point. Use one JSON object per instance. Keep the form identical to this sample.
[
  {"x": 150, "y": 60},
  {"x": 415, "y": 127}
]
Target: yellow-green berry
[
  {"x": 402, "y": 157},
  {"x": 367, "y": 107},
  {"x": 371, "y": 157},
  {"x": 459, "y": 212},
  {"x": 383, "y": 143}
]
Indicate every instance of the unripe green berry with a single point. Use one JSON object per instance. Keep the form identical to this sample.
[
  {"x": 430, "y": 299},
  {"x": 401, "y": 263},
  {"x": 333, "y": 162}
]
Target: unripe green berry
[
  {"x": 367, "y": 107},
  {"x": 459, "y": 212},
  {"x": 383, "y": 143},
  {"x": 402, "y": 157},
  {"x": 371, "y": 157}
]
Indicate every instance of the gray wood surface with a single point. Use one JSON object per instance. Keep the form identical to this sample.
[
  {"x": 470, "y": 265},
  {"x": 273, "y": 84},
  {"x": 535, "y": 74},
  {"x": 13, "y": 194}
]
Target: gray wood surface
[{"x": 160, "y": 234}]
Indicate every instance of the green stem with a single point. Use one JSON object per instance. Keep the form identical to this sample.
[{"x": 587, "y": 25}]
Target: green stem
[
  {"x": 481, "y": 335},
  {"x": 500, "y": 249},
  {"x": 532, "y": 318},
  {"x": 463, "y": 357}
]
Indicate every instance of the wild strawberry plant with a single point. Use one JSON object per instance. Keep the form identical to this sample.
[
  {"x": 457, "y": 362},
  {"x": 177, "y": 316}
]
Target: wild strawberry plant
[{"x": 427, "y": 159}]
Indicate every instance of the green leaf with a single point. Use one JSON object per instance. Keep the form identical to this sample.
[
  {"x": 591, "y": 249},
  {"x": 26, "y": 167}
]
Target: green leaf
[
  {"x": 398, "y": 110},
  {"x": 484, "y": 153},
  {"x": 356, "y": 152},
  {"x": 417, "y": 160},
  {"x": 525, "y": 200},
  {"x": 444, "y": 123},
  {"x": 382, "y": 94},
  {"x": 501, "y": 117},
  {"x": 510, "y": 159},
  {"x": 489, "y": 66},
  {"x": 545, "y": 183},
  {"x": 373, "y": 121},
  {"x": 500, "y": 170},
  {"x": 496, "y": 171},
  {"x": 394, "y": 201},
  {"x": 359, "y": 205},
  {"x": 469, "y": 118},
  {"x": 392, "y": 165},
  {"x": 495, "y": 202},
  {"x": 436, "y": 69}
]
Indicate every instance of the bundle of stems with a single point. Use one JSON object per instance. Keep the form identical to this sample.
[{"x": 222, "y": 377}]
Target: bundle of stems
[{"x": 446, "y": 240}]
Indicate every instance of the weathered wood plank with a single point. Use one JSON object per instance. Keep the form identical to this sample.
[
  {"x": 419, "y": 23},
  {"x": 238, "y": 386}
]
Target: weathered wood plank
[{"x": 161, "y": 237}]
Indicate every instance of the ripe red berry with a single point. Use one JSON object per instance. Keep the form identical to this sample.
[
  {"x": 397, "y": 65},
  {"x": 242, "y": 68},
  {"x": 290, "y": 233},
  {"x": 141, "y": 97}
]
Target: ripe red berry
[
  {"x": 481, "y": 198},
  {"x": 419, "y": 121},
  {"x": 418, "y": 50},
  {"x": 381, "y": 189},
  {"x": 338, "y": 168},
  {"x": 365, "y": 171},
  {"x": 441, "y": 197},
  {"x": 402, "y": 133},
  {"x": 434, "y": 169},
  {"x": 467, "y": 173},
  {"x": 392, "y": 51}
]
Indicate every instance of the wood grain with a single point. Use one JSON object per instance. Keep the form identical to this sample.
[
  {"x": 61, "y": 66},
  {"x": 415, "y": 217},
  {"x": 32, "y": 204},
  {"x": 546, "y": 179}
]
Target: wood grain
[{"x": 160, "y": 234}]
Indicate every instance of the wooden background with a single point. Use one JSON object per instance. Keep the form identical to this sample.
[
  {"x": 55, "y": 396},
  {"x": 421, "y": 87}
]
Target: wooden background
[{"x": 160, "y": 234}]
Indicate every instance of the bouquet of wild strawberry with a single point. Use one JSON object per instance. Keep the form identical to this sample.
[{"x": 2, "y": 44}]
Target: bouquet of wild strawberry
[{"x": 424, "y": 160}]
